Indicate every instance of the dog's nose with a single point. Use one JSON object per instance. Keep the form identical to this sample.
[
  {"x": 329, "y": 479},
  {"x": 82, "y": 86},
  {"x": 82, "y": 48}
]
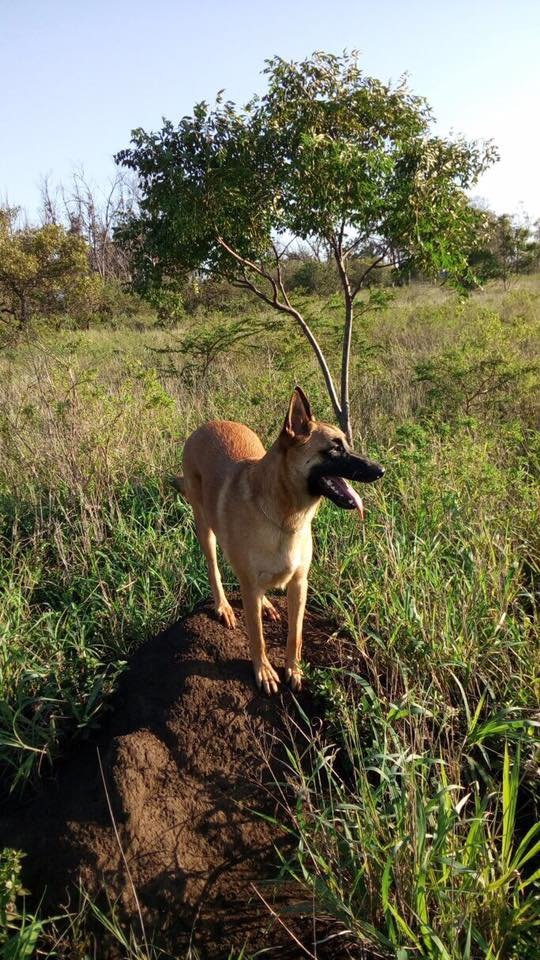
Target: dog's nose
[{"x": 373, "y": 472}]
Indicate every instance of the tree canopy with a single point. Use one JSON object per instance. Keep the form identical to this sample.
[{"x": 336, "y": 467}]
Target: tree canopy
[
  {"x": 43, "y": 270},
  {"x": 511, "y": 246},
  {"x": 327, "y": 155}
]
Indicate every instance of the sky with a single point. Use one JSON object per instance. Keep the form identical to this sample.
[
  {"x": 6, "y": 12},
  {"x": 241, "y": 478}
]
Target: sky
[{"x": 78, "y": 75}]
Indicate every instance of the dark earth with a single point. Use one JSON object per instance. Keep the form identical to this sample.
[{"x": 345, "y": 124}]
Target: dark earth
[{"x": 189, "y": 754}]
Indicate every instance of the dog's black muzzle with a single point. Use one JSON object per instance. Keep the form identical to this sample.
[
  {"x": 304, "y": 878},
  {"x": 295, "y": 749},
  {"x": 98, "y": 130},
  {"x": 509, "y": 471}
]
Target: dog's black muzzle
[{"x": 348, "y": 466}]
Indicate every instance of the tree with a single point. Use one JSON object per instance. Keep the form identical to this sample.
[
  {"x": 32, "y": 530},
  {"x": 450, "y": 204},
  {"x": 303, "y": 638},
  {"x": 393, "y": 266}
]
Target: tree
[
  {"x": 511, "y": 246},
  {"x": 43, "y": 270},
  {"x": 327, "y": 156},
  {"x": 90, "y": 213}
]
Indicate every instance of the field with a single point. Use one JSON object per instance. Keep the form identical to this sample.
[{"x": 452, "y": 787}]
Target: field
[{"x": 415, "y": 821}]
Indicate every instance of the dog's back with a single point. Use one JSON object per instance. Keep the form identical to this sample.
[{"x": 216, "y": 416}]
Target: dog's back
[{"x": 212, "y": 454}]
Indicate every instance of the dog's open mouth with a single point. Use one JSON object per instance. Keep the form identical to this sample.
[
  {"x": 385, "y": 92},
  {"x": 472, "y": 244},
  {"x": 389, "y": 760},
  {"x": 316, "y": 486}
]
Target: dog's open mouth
[
  {"x": 341, "y": 493},
  {"x": 326, "y": 480}
]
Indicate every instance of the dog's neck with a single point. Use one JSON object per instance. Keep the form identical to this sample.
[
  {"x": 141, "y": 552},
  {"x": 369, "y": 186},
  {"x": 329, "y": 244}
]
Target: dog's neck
[{"x": 278, "y": 497}]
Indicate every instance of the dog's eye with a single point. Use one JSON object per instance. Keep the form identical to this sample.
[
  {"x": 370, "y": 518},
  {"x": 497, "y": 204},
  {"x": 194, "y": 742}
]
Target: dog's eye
[{"x": 336, "y": 448}]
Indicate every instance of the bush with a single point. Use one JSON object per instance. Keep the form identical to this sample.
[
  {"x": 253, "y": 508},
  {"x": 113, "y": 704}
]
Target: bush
[
  {"x": 44, "y": 272},
  {"x": 490, "y": 372}
]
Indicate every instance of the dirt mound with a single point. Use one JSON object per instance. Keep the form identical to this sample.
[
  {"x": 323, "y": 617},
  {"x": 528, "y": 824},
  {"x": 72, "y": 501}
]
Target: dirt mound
[{"x": 184, "y": 756}]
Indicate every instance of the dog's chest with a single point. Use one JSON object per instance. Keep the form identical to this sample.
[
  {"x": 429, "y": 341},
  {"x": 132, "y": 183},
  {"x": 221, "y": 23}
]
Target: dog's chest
[{"x": 283, "y": 557}]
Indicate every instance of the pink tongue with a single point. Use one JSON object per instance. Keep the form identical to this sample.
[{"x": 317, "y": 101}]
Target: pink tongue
[{"x": 357, "y": 499}]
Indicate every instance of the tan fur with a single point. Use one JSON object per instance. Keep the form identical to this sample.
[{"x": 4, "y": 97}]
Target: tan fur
[{"x": 257, "y": 505}]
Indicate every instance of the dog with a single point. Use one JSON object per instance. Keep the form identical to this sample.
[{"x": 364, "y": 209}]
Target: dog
[{"x": 260, "y": 506}]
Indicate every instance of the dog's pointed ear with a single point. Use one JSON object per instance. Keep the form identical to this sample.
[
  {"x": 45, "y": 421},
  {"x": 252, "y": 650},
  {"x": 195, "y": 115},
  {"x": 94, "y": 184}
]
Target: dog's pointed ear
[{"x": 299, "y": 420}]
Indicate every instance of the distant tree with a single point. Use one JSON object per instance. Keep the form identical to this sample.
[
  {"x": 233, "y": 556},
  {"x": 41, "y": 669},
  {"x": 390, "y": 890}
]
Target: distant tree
[
  {"x": 310, "y": 275},
  {"x": 328, "y": 156},
  {"x": 511, "y": 247},
  {"x": 43, "y": 270},
  {"x": 91, "y": 213},
  {"x": 535, "y": 238}
]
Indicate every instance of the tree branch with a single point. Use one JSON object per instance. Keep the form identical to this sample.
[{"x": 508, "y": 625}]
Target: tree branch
[
  {"x": 345, "y": 419},
  {"x": 283, "y": 306},
  {"x": 366, "y": 272},
  {"x": 10, "y": 312}
]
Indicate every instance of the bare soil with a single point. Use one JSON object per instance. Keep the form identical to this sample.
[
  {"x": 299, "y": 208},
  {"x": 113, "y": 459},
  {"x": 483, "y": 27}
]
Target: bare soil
[{"x": 188, "y": 751}]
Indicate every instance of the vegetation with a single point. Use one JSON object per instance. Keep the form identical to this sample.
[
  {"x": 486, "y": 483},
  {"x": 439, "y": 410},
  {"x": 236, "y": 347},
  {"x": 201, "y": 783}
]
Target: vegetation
[
  {"x": 19, "y": 932},
  {"x": 44, "y": 271},
  {"x": 512, "y": 247},
  {"x": 414, "y": 816},
  {"x": 327, "y": 157},
  {"x": 415, "y": 811}
]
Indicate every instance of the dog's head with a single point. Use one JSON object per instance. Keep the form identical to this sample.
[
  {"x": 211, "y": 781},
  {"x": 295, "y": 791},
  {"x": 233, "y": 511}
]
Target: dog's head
[{"x": 318, "y": 454}]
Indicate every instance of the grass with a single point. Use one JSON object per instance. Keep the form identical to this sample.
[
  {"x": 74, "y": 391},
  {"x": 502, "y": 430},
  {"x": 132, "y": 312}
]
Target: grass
[
  {"x": 414, "y": 818},
  {"x": 411, "y": 862}
]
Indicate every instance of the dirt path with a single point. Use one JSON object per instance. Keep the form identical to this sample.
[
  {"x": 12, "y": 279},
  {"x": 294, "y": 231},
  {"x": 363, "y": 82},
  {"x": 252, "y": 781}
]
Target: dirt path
[{"x": 184, "y": 753}]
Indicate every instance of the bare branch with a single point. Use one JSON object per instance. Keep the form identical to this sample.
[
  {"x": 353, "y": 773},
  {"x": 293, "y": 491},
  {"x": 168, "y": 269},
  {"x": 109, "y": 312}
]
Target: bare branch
[
  {"x": 366, "y": 272},
  {"x": 49, "y": 210},
  {"x": 315, "y": 247},
  {"x": 279, "y": 254},
  {"x": 284, "y": 306},
  {"x": 353, "y": 245}
]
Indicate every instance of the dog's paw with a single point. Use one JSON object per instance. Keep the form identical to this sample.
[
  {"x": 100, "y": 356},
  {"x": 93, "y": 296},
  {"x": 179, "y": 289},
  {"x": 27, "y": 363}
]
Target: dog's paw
[
  {"x": 266, "y": 677},
  {"x": 293, "y": 676},
  {"x": 225, "y": 613},
  {"x": 270, "y": 611}
]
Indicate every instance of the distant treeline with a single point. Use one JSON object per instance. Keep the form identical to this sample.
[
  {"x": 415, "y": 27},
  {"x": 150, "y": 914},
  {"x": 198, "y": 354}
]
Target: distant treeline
[{"x": 69, "y": 268}]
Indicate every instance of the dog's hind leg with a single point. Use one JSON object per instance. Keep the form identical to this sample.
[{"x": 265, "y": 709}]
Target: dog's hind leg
[
  {"x": 179, "y": 484},
  {"x": 207, "y": 540},
  {"x": 269, "y": 610}
]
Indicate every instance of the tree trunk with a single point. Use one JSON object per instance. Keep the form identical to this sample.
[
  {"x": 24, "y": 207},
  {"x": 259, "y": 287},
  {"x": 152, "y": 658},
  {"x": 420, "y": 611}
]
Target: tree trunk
[
  {"x": 23, "y": 315},
  {"x": 345, "y": 414},
  {"x": 345, "y": 418}
]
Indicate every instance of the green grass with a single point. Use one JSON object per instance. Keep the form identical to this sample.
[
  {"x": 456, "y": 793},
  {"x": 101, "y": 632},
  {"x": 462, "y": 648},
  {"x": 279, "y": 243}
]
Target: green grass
[
  {"x": 408, "y": 822},
  {"x": 404, "y": 842}
]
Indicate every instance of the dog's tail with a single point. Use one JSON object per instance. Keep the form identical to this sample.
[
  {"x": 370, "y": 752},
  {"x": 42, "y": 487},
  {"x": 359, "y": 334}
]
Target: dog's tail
[{"x": 178, "y": 483}]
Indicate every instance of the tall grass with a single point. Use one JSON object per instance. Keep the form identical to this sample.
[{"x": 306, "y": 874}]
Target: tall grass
[
  {"x": 89, "y": 558},
  {"x": 407, "y": 822},
  {"x": 405, "y": 844}
]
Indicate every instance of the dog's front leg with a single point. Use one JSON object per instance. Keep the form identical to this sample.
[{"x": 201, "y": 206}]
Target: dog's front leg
[
  {"x": 265, "y": 675},
  {"x": 296, "y": 603}
]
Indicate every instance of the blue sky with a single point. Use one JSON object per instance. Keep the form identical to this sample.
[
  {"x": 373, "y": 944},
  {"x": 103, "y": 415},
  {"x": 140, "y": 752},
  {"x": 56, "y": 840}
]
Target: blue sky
[{"x": 77, "y": 76}]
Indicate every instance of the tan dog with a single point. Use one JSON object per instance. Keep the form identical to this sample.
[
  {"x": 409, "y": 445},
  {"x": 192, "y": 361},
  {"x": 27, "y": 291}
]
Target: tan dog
[{"x": 260, "y": 506}]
